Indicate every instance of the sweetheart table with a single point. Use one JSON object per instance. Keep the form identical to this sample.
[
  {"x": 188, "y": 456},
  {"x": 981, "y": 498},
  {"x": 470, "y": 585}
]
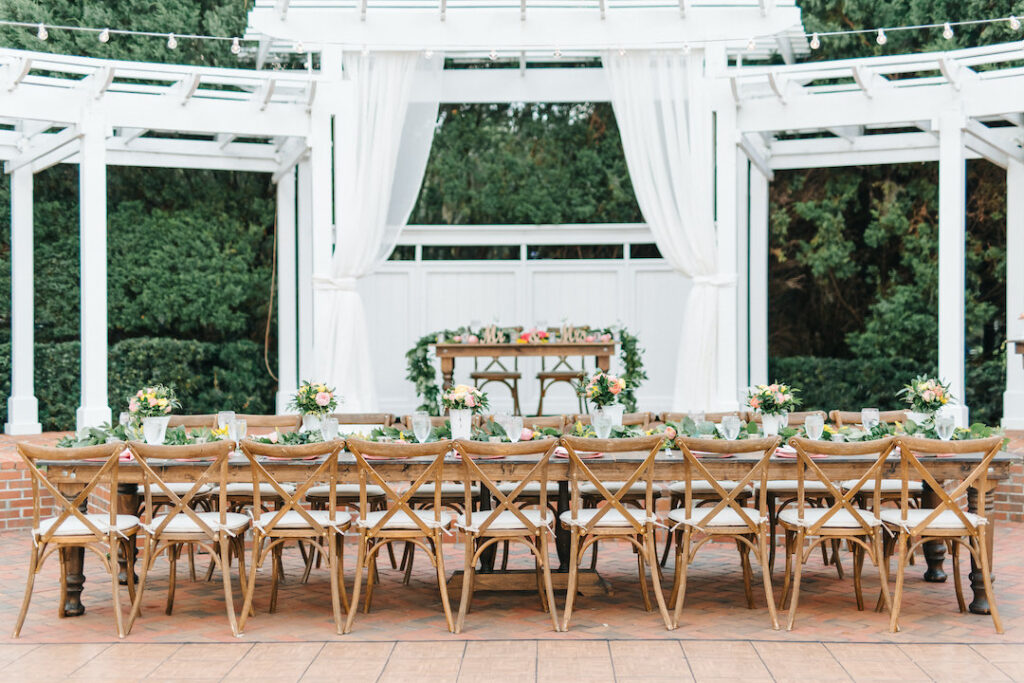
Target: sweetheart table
[
  {"x": 69, "y": 475},
  {"x": 448, "y": 352}
]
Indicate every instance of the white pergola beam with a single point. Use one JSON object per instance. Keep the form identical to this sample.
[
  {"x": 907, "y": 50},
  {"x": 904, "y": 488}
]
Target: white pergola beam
[
  {"x": 287, "y": 315},
  {"x": 281, "y": 8},
  {"x": 129, "y": 135},
  {"x": 758, "y": 155},
  {"x": 1013, "y": 398},
  {"x": 289, "y": 157},
  {"x": 15, "y": 72},
  {"x": 985, "y": 141},
  {"x": 51, "y": 149},
  {"x": 186, "y": 88}
]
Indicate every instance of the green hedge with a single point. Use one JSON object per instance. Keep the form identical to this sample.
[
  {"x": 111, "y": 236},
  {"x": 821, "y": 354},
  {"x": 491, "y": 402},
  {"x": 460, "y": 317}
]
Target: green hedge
[
  {"x": 207, "y": 376},
  {"x": 852, "y": 383}
]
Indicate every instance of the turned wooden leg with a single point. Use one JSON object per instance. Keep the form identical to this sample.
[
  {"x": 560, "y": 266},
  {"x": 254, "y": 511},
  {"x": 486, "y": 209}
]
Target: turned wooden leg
[
  {"x": 934, "y": 551},
  {"x": 127, "y": 501},
  {"x": 980, "y": 604}
]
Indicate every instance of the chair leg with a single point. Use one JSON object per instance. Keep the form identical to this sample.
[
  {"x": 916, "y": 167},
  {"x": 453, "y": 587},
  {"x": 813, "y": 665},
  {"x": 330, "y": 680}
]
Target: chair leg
[
  {"x": 883, "y": 569},
  {"x": 504, "y": 556},
  {"x": 836, "y": 560},
  {"x": 570, "y": 591},
  {"x": 250, "y": 589},
  {"x": 339, "y": 538},
  {"x": 332, "y": 567},
  {"x": 986, "y": 577},
  {"x": 229, "y": 602},
  {"x": 442, "y": 583},
  {"x": 957, "y": 582},
  {"x": 63, "y": 600},
  {"x": 410, "y": 555},
  {"x": 651, "y": 549},
  {"x": 798, "y": 550},
  {"x": 542, "y": 544},
  {"x": 593, "y": 556},
  {"x": 33, "y": 564},
  {"x": 858, "y": 566},
  {"x": 467, "y": 576},
  {"x": 115, "y": 589},
  {"x": 353, "y": 605},
  {"x": 897, "y": 598},
  {"x": 172, "y": 575},
  {"x": 788, "y": 575},
  {"x": 682, "y": 566},
  {"x": 391, "y": 556},
  {"x": 371, "y": 577},
  {"x": 747, "y": 573},
  {"x": 243, "y": 578},
  {"x": 275, "y": 577},
  {"x": 643, "y": 579},
  {"x": 766, "y": 577}
]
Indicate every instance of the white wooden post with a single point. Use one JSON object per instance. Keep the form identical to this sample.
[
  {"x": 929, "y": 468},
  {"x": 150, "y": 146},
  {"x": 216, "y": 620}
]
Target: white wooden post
[
  {"x": 726, "y": 225},
  {"x": 92, "y": 171},
  {"x": 305, "y": 268},
  {"x": 1013, "y": 399},
  {"x": 322, "y": 229},
  {"x": 757, "y": 278},
  {"x": 952, "y": 248},
  {"x": 287, "y": 323},
  {"x": 742, "y": 268},
  {"x": 22, "y": 406}
]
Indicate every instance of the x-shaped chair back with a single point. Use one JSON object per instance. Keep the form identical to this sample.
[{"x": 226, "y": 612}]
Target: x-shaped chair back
[
  {"x": 467, "y": 450},
  {"x": 758, "y": 471},
  {"x": 578, "y": 470},
  {"x": 326, "y": 470},
  {"x": 69, "y": 509},
  {"x": 216, "y": 473},
  {"x": 877, "y": 451},
  {"x": 399, "y": 502},
  {"x": 977, "y": 478}
]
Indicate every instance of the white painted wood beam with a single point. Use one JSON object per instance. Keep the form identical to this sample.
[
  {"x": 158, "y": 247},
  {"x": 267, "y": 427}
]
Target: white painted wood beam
[
  {"x": 46, "y": 146},
  {"x": 103, "y": 78},
  {"x": 522, "y": 10},
  {"x": 15, "y": 72},
  {"x": 287, "y": 319},
  {"x": 1013, "y": 397},
  {"x": 224, "y": 139},
  {"x": 289, "y": 158},
  {"x": 758, "y": 155},
  {"x": 263, "y": 51},
  {"x": 263, "y": 96},
  {"x": 684, "y": 8},
  {"x": 986, "y": 142},
  {"x": 603, "y": 7},
  {"x": 362, "y": 10},
  {"x": 757, "y": 278},
  {"x": 766, "y": 6},
  {"x": 186, "y": 88},
  {"x": 785, "y": 48},
  {"x": 281, "y": 7},
  {"x": 443, "y": 9},
  {"x": 848, "y": 133}
]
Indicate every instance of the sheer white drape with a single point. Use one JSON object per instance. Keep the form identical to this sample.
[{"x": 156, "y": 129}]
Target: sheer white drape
[
  {"x": 373, "y": 198},
  {"x": 664, "y": 117}
]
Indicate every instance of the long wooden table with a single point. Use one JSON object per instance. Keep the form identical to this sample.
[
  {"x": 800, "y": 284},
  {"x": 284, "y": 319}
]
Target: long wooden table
[
  {"x": 611, "y": 467},
  {"x": 448, "y": 352}
]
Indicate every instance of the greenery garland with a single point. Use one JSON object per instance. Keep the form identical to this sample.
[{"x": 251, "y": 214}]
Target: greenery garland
[{"x": 423, "y": 375}]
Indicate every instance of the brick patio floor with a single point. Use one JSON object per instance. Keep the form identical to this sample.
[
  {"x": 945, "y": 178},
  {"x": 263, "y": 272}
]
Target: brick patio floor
[{"x": 507, "y": 636}]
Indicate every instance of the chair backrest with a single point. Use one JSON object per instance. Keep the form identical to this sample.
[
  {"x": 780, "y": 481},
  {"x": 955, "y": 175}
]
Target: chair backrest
[
  {"x": 468, "y": 450},
  {"x": 551, "y": 422},
  {"x": 326, "y": 472},
  {"x": 795, "y": 419},
  {"x": 852, "y": 417},
  {"x": 216, "y": 473},
  {"x": 383, "y": 419},
  {"x": 435, "y": 421},
  {"x": 841, "y": 499},
  {"x": 69, "y": 509},
  {"x": 648, "y": 446},
  {"x": 193, "y": 421},
  {"x": 399, "y": 502},
  {"x": 758, "y": 472},
  {"x": 281, "y": 423},
  {"x": 710, "y": 417},
  {"x": 911, "y": 447},
  {"x": 628, "y": 419}
]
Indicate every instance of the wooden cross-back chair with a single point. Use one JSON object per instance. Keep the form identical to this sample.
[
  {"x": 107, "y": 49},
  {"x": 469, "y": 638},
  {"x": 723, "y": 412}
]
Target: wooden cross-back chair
[
  {"x": 102, "y": 533},
  {"x": 641, "y": 420},
  {"x": 748, "y": 527},
  {"x": 263, "y": 423},
  {"x": 507, "y": 522},
  {"x": 613, "y": 520},
  {"x": 561, "y": 371},
  {"x": 947, "y": 522},
  {"x": 209, "y": 421},
  {"x": 323, "y": 530},
  {"x": 795, "y": 419},
  {"x": 497, "y": 372},
  {"x": 220, "y": 533},
  {"x": 710, "y": 417},
  {"x": 841, "y": 418},
  {"x": 399, "y": 522},
  {"x": 382, "y": 419},
  {"x": 840, "y": 521}
]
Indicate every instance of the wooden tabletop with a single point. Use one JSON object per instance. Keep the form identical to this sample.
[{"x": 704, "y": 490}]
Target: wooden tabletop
[{"x": 533, "y": 349}]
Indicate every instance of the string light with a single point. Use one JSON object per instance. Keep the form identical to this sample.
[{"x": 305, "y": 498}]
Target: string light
[
  {"x": 172, "y": 42},
  {"x": 947, "y": 31},
  {"x": 104, "y": 36},
  {"x": 815, "y": 42},
  {"x": 558, "y": 53},
  {"x": 236, "y": 46},
  {"x": 1014, "y": 23},
  {"x": 881, "y": 39},
  {"x": 300, "y": 48},
  {"x": 42, "y": 33},
  {"x": 751, "y": 44},
  {"x": 686, "y": 48},
  {"x": 428, "y": 53},
  {"x": 493, "y": 55}
]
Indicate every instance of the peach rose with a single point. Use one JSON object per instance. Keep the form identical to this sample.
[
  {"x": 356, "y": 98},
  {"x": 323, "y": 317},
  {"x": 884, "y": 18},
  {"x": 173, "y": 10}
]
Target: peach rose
[
  {"x": 473, "y": 339},
  {"x": 606, "y": 337},
  {"x": 589, "y": 338},
  {"x": 670, "y": 433},
  {"x": 323, "y": 398},
  {"x": 526, "y": 434}
]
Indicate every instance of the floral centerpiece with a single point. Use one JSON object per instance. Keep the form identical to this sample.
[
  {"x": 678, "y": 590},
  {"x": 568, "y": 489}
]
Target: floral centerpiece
[
  {"x": 462, "y": 401},
  {"x": 534, "y": 336},
  {"x": 603, "y": 390},
  {"x": 151, "y": 408},
  {"x": 772, "y": 401},
  {"x": 925, "y": 395},
  {"x": 313, "y": 401},
  {"x": 290, "y": 438}
]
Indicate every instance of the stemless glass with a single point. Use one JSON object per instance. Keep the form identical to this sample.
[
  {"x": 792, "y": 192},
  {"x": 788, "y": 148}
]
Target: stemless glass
[
  {"x": 329, "y": 428},
  {"x": 945, "y": 425},
  {"x": 515, "y": 428},
  {"x": 730, "y": 427},
  {"x": 697, "y": 416},
  {"x": 224, "y": 418},
  {"x": 602, "y": 422},
  {"x": 869, "y": 418},
  {"x": 421, "y": 426},
  {"x": 123, "y": 419},
  {"x": 814, "y": 426}
]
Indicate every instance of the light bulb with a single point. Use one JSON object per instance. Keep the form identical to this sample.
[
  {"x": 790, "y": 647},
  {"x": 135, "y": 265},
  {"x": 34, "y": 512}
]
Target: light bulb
[
  {"x": 558, "y": 53},
  {"x": 815, "y": 42},
  {"x": 1014, "y": 23},
  {"x": 236, "y": 46},
  {"x": 881, "y": 38},
  {"x": 104, "y": 36},
  {"x": 622, "y": 52},
  {"x": 42, "y": 33},
  {"x": 366, "y": 51},
  {"x": 947, "y": 31},
  {"x": 686, "y": 48},
  {"x": 429, "y": 54},
  {"x": 299, "y": 47},
  {"x": 172, "y": 42},
  {"x": 751, "y": 44},
  {"x": 493, "y": 55}
]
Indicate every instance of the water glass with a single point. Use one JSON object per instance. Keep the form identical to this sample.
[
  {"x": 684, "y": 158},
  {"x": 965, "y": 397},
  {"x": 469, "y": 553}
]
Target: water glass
[
  {"x": 515, "y": 428},
  {"x": 329, "y": 428},
  {"x": 697, "y": 416},
  {"x": 945, "y": 425},
  {"x": 814, "y": 426},
  {"x": 730, "y": 427},
  {"x": 869, "y": 418},
  {"x": 421, "y": 426},
  {"x": 123, "y": 419},
  {"x": 503, "y": 420},
  {"x": 236, "y": 430},
  {"x": 224, "y": 418},
  {"x": 602, "y": 422}
]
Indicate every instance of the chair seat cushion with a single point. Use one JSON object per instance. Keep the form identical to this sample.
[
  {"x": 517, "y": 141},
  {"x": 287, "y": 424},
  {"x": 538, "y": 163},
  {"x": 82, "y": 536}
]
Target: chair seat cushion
[
  {"x": 561, "y": 374},
  {"x": 841, "y": 520},
  {"x": 639, "y": 488},
  {"x": 702, "y": 487},
  {"x": 531, "y": 489},
  {"x": 183, "y": 524},
  {"x": 496, "y": 375},
  {"x": 612, "y": 518},
  {"x": 72, "y": 526},
  {"x": 947, "y": 519},
  {"x": 455, "y": 489},
  {"x": 348, "y": 491},
  {"x": 788, "y": 486},
  {"x": 888, "y": 486},
  {"x": 242, "y": 488},
  {"x": 725, "y": 517},
  {"x": 176, "y": 487},
  {"x": 505, "y": 520},
  {"x": 293, "y": 520},
  {"x": 402, "y": 520}
]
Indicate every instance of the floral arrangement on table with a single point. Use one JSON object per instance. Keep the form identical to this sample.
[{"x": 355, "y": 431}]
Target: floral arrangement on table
[
  {"x": 533, "y": 336},
  {"x": 422, "y": 372},
  {"x": 925, "y": 394},
  {"x": 154, "y": 401},
  {"x": 464, "y": 397},
  {"x": 290, "y": 438},
  {"x": 174, "y": 436},
  {"x": 314, "y": 399},
  {"x": 602, "y": 389},
  {"x": 773, "y": 399},
  {"x": 588, "y": 432}
]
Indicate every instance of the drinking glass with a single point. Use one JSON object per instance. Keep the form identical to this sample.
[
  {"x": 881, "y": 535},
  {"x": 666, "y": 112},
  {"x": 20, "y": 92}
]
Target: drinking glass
[
  {"x": 783, "y": 420},
  {"x": 944, "y": 426},
  {"x": 697, "y": 416},
  {"x": 730, "y": 427},
  {"x": 421, "y": 426},
  {"x": 602, "y": 422},
  {"x": 329, "y": 428},
  {"x": 504, "y": 419},
  {"x": 123, "y": 419},
  {"x": 515, "y": 428},
  {"x": 236, "y": 430},
  {"x": 814, "y": 426},
  {"x": 869, "y": 418},
  {"x": 224, "y": 418}
]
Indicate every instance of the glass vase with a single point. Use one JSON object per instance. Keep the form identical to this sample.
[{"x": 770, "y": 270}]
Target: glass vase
[
  {"x": 154, "y": 429},
  {"x": 311, "y": 422},
  {"x": 613, "y": 411},
  {"x": 462, "y": 421},
  {"x": 771, "y": 424}
]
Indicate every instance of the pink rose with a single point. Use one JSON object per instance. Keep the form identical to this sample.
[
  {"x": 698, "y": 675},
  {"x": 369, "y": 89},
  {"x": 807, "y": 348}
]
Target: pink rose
[
  {"x": 526, "y": 434},
  {"x": 615, "y": 388},
  {"x": 458, "y": 338},
  {"x": 152, "y": 402},
  {"x": 670, "y": 433},
  {"x": 139, "y": 394},
  {"x": 928, "y": 396},
  {"x": 470, "y": 401},
  {"x": 273, "y": 437},
  {"x": 589, "y": 338},
  {"x": 323, "y": 398},
  {"x": 606, "y": 337},
  {"x": 473, "y": 339},
  {"x": 167, "y": 409},
  {"x": 133, "y": 406},
  {"x": 755, "y": 402}
]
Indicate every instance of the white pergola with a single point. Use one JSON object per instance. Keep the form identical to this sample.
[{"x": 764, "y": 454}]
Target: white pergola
[{"x": 944, "y": 107}]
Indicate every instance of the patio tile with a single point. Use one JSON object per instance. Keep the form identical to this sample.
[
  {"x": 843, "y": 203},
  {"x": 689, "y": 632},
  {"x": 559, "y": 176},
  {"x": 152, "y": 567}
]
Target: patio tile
[
  {"x": 11, "y": 651},
  {"x": 1008, "y": 658},
  {"x": 725, "y": 660},
  {"x": 649, "y": 659},
  {"x": 800, "y": 662},
  {"x": 126, "y": 660},
  {"x": 952, "y": 663},
  {"x": 205, "y": 661},
  {"x": 275, "y": 662},
  {"x": 51, "y": 662},
  {"x": 871, "y": 662}
]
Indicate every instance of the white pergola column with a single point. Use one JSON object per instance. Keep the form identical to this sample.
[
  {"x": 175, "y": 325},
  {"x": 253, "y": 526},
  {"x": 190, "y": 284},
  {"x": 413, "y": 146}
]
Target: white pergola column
[
  {"x": 952, "y": 248},
  {"x": 757, "y": 277},
  {"x": 322, "y": 226},
  {"x": 1013, "y": 398},
  {"x": 22, "y": 406},
  {"x": 287, "y": 322},
  {"x": 726, "y": 225},
  {"x": 305, "y": 268},
  {"x": 93, "y": 410}
]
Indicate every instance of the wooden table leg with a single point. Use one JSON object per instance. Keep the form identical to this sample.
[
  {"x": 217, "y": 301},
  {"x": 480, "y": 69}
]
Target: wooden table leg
[
  {"x": 487, "y": 556},
  {"x": 74, "y": 558},
  {"x": 604, "y": 363},
  {"x": 447, "y": 370},
  {"x": 562, "y": 535},
  {"x": 934, "y": 551},
  {"x": 127, "y": 502},
  {"x": 980, "y": 603}
]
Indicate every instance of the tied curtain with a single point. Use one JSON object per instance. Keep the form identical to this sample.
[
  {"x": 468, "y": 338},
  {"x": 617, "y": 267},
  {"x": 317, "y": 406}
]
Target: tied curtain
[
  {"x": 381, "y": 124},
  {"x": 663, "y": 111}
]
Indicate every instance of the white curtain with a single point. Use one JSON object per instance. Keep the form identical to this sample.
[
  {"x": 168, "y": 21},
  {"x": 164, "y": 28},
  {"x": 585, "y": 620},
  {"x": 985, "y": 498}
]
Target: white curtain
[
  {"x": 373, "y": 198},
  {"x": 664, "y": 117}
]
